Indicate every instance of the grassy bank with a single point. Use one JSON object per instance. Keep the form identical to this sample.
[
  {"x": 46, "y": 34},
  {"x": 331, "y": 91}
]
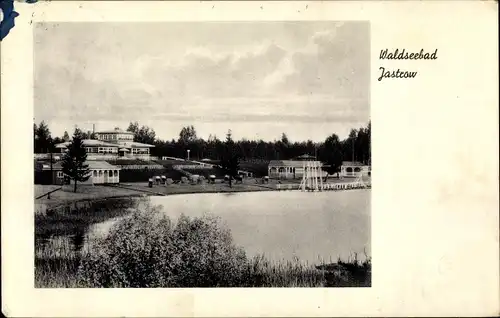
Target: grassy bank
[
  {"x": 147, "y": 249},
  {"x": 77, "y": 218},
  {"x": 66, "y": 195}
]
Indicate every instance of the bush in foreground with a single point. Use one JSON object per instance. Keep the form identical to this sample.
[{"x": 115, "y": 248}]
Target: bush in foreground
[{"x": 147, "y": 250}]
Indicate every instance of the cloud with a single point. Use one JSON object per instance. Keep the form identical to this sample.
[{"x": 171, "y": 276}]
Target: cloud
[
  {"x": 335, "y": 61},
  {"x": 287, "y": 72}
]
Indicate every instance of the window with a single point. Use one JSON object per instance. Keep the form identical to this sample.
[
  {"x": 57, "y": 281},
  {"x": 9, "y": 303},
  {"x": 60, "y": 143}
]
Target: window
[
  {"x": 95, "y": 173},
  {"x": 100, "y": 173},
  {"x": 349, "y": 169},
  {"x": 357, "y": 169},
  {"x": 116, "y": 173},
  {"x": 60, "y": 174}
]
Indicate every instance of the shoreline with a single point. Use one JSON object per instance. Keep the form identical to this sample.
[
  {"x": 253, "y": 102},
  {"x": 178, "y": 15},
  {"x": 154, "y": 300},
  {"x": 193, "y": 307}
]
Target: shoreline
[{"x": 139, "y": 190}]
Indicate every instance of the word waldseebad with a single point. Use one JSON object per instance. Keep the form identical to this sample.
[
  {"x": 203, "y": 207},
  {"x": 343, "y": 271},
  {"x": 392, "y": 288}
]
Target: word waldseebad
[{"x": 403, "y": 55}]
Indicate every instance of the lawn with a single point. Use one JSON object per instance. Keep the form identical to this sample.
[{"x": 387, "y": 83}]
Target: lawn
[{"x": 84, "y": 192}]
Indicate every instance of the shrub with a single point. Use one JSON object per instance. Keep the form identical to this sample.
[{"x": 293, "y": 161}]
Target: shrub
[{"x": 148, "y": 250}]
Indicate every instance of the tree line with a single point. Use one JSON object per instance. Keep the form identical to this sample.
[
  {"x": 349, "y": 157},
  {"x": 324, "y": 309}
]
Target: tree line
[
  {"x": 229, "y": 153},
  {"x": 333, "y": 150},
  {"x": 356, "y": 147}
]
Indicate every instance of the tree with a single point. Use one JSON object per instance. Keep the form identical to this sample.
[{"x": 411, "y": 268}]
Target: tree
[
  {"x": 187, "y": 135},
  {"x": 284, "y": 139},
  {"x": 73, "y": 163},
  {"x": 42, "y": 138},
  {"x": 143, "y": 134},
  {"x": 133, "y": 127},
  {"x": 57, "y": 140},
  {"x": 230, "y": 160},
  {"x": 66, "y": 136},
  {"x": 35, "y": 138},
  {"x": 351, "y": 143},
  {"x": 369, "y": 134},
  {"x": 331, "y": 155},
  {"x": 88, "y": 135}
]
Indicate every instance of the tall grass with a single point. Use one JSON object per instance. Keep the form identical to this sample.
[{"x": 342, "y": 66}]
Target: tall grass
[
  {"x": 147, "y": 249},
  {"x": 68, "y": 220}
]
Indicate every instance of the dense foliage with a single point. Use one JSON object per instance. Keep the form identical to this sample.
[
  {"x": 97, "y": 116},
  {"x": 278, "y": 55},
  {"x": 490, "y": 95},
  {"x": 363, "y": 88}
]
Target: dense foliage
[
  {"x": 356, "y": 147},
  {"x": 147, "y": 250}
]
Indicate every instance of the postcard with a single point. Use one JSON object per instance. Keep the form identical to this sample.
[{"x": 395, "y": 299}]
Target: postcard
[{"x": 218, "y": 159}]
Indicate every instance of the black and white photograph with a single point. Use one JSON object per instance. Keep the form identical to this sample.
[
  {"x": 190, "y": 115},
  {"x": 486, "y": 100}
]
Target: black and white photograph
[
  {"x": 205, "y": 154},
  {"x": 206, "y": 159}
]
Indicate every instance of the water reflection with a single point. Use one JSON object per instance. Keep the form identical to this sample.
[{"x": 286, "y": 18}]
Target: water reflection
[
  {"x": 66, "y": 227},
  {"x": 281, "y": 225}
]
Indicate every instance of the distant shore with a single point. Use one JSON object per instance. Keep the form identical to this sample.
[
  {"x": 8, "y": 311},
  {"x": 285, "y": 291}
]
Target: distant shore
[{"x": 65, "y": 194}]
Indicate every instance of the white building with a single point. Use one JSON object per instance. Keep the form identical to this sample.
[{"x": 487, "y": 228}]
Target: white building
[
  {"x": 354, "y": 169},
  {"x": 290, "y": 169},
  {"x": 112, "y": 144},
  {"x": 101, "y": 172}
]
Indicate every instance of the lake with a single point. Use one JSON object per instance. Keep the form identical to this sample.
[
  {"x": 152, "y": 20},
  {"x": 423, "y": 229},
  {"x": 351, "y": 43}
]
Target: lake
[{"x": 282, "y": 225}]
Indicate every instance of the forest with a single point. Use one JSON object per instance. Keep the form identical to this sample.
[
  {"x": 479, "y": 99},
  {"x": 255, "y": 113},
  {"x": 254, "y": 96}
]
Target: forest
[{"x": 332, "y": 151}]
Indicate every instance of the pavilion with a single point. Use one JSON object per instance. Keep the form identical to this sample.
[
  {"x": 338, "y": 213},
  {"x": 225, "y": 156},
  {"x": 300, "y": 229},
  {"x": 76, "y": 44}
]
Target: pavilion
[{"x": 291, "y": 169}]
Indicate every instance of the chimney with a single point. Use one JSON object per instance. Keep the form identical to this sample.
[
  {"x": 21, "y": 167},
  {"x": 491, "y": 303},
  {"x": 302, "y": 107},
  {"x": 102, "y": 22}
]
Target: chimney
[{"x": 93, "y": 128}]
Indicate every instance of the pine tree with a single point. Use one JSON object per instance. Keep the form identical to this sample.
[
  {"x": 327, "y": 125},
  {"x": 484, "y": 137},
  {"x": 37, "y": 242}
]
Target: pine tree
[
  {"x": 66, "y": 136},
  {"x": 230, "y": 161},
  {"x": 42, "y": 137},
  {"x": 73, "y": 164}
]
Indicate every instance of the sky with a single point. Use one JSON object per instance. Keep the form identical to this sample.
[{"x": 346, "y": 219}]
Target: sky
[{"x": 259, "y": 79}]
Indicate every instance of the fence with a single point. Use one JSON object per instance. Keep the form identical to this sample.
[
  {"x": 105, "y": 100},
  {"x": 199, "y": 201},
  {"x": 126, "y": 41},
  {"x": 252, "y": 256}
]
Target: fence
[
  {"x": 143, "y": 175},
  {"x": 194, "y": 167},
  {"x": 140, "y": 167}
]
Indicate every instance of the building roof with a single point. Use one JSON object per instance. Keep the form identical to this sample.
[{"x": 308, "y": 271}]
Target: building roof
[
  {"x": 134, "y": 144},
  {"x": 353, "y": 163},
  {"x": 102, "y": 165},
  {"x": 98, "y": 143},
  {"x": 115, "y": 131},
  {"x": 305, "y": 156},
  {"x": 88, "y": 143},
  {"x": 286, "y": 163},
  {"x": 93, "y": 165}
]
